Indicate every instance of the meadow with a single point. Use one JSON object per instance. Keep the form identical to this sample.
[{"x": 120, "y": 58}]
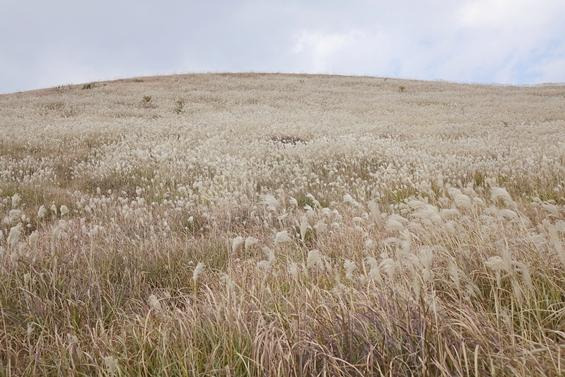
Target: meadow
[{"x": 282, "y": 225}]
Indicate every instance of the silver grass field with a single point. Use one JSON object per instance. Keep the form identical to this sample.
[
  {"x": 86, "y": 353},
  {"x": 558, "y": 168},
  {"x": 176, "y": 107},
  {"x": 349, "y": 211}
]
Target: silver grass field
[{"x": 282, "y": 225}]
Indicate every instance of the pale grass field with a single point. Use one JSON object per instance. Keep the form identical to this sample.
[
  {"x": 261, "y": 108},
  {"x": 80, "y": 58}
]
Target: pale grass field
[{"x": 282, "y": 225}]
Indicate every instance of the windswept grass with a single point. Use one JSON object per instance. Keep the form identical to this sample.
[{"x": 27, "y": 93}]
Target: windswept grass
[{"x": 353, "y": 227}]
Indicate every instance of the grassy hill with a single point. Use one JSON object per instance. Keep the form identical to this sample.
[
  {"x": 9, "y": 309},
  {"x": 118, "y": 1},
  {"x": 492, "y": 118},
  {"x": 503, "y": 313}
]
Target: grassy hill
[{"x": 282, "y": 225}]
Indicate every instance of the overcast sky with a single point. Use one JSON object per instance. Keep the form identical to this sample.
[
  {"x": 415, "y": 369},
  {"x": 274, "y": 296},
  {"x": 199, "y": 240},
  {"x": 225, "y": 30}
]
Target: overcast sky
[{"x": 46, "y": 43}]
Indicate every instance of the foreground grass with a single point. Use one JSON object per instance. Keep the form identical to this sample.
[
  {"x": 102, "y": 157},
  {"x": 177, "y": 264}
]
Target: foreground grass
[{"x": 485, "y": 300}]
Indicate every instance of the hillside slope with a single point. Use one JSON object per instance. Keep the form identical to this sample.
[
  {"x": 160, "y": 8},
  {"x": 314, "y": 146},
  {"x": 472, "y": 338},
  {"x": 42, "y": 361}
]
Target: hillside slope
[{"x": 273, "y": 224}]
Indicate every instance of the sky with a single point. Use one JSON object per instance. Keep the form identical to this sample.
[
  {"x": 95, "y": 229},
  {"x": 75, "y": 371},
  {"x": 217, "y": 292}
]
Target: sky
[{"x": 59, "y": 42}]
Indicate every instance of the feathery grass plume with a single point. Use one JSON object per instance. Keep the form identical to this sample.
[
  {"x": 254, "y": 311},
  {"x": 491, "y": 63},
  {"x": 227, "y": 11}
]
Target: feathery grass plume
[
  {"x": 427, "y": 214},
  {"x": 293, "y": 270},
  {"x": 315, "y": 260},
  {"x": 393, "y": 225},
  {"x": 303, "y": 227},
  {"x": 63, "y": 210},
  {"x": 507, "y": 214},
  {"x": 374, "y": 210},
  {"x": 461, "y": 200},
  {"x": 449, "y": 213},
  {"x": 59, "y": 231},
  {"x": 315, "y": 202},
  {"x": 554, "y": 238},
  {"x": 267, "y": 263},
  {"x": 270, "y": 202},
  {"x": 250, "y": 241},
  {"x": 14, "y": 236},
  {"x": 374, "y": 271},
  {"x": 269, "y": 254},
  {"x": 228, "y": 282},
  {"x": 349, "y": 200},
  {"x": 350, "y": 268},
  {"x": 496, "y": 264},
  {"x": 198, "y": 270},
  {"x": 237, "y": 243},
  {"x": 526, "y": 276},
  {"x": 53, "y": 209},
  {"x": 454, "y": 273},
  {"x": 551, "y": 209},
  {"x": 500, "y": 194},
  {"x": 358, "y": 220},
  {"x": 14, "y": 216},
  {"x": 320, "y": 227},
  {"x": 16, "y": 200},
  {"x": 112, "y": 367},
  {"x": 293, "y": 202},
  {"x": 72, "y": 339},
  {"x": 41, "y": 212},
  {"x": 154, "y": 302},
  {"x": 264, "y": 265},
  {"x": 33, "y": 238},
  {"x": 426, "y": 257},
  {"x": 415, "y": 204},
  {"x": 282, "y": 237},
  {"x": 388, "y": 266}
]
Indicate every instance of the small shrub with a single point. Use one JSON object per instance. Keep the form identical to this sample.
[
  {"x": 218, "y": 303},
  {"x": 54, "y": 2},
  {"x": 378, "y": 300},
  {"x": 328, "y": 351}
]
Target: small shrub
[
  {"x": 287, "y": 139},
  {"x": 147, "y": 102},
  {"x": 401, "y": 88},
  {"x": 179, "y": 106},
  {"x": 90, "y": 85}
]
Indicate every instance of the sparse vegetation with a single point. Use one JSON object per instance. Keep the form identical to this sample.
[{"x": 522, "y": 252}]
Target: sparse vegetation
[
  {"x": 288, "y": 139},
  {"x": 316, "y": 233},
  {"x": 179, "y": 106},
  {"x": 147, "y": 102}
]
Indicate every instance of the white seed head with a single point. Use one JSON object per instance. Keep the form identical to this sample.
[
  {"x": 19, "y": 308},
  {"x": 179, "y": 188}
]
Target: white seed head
[
  {"x": 41, "y": 212},
  {"x": 154, "y": 303},
  {"x": 198, "y": 270},
  {"x": 16, "y": 199},
  {"x": 14, "y": 236},
  {"x": 237, "y": 243},
  {"x": 63, "y": 210},
  {"x": 282, "y": 237},
  {"x": 500, "y": 193},
  {"x": 270, "y": 202},
  {"x": 315, "y": 260},
  {"x": 112, "y": 366},
  {"x": 495, "y": 263},
  {"x": 250, "y": 241},
  {"x": 350, "y": 268},
  {"x": 293, "y": 270},
  {"x": 269, "y": 254}
]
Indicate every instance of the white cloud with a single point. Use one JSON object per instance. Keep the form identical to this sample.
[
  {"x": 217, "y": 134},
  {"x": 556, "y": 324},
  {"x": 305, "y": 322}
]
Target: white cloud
[
  {"x": 510, "y": 41},
  {"x": 334, "y": 52}
]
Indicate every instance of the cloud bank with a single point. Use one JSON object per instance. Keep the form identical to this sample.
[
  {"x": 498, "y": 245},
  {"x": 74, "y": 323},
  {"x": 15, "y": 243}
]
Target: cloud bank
[{"x": 488, "y": 41}]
